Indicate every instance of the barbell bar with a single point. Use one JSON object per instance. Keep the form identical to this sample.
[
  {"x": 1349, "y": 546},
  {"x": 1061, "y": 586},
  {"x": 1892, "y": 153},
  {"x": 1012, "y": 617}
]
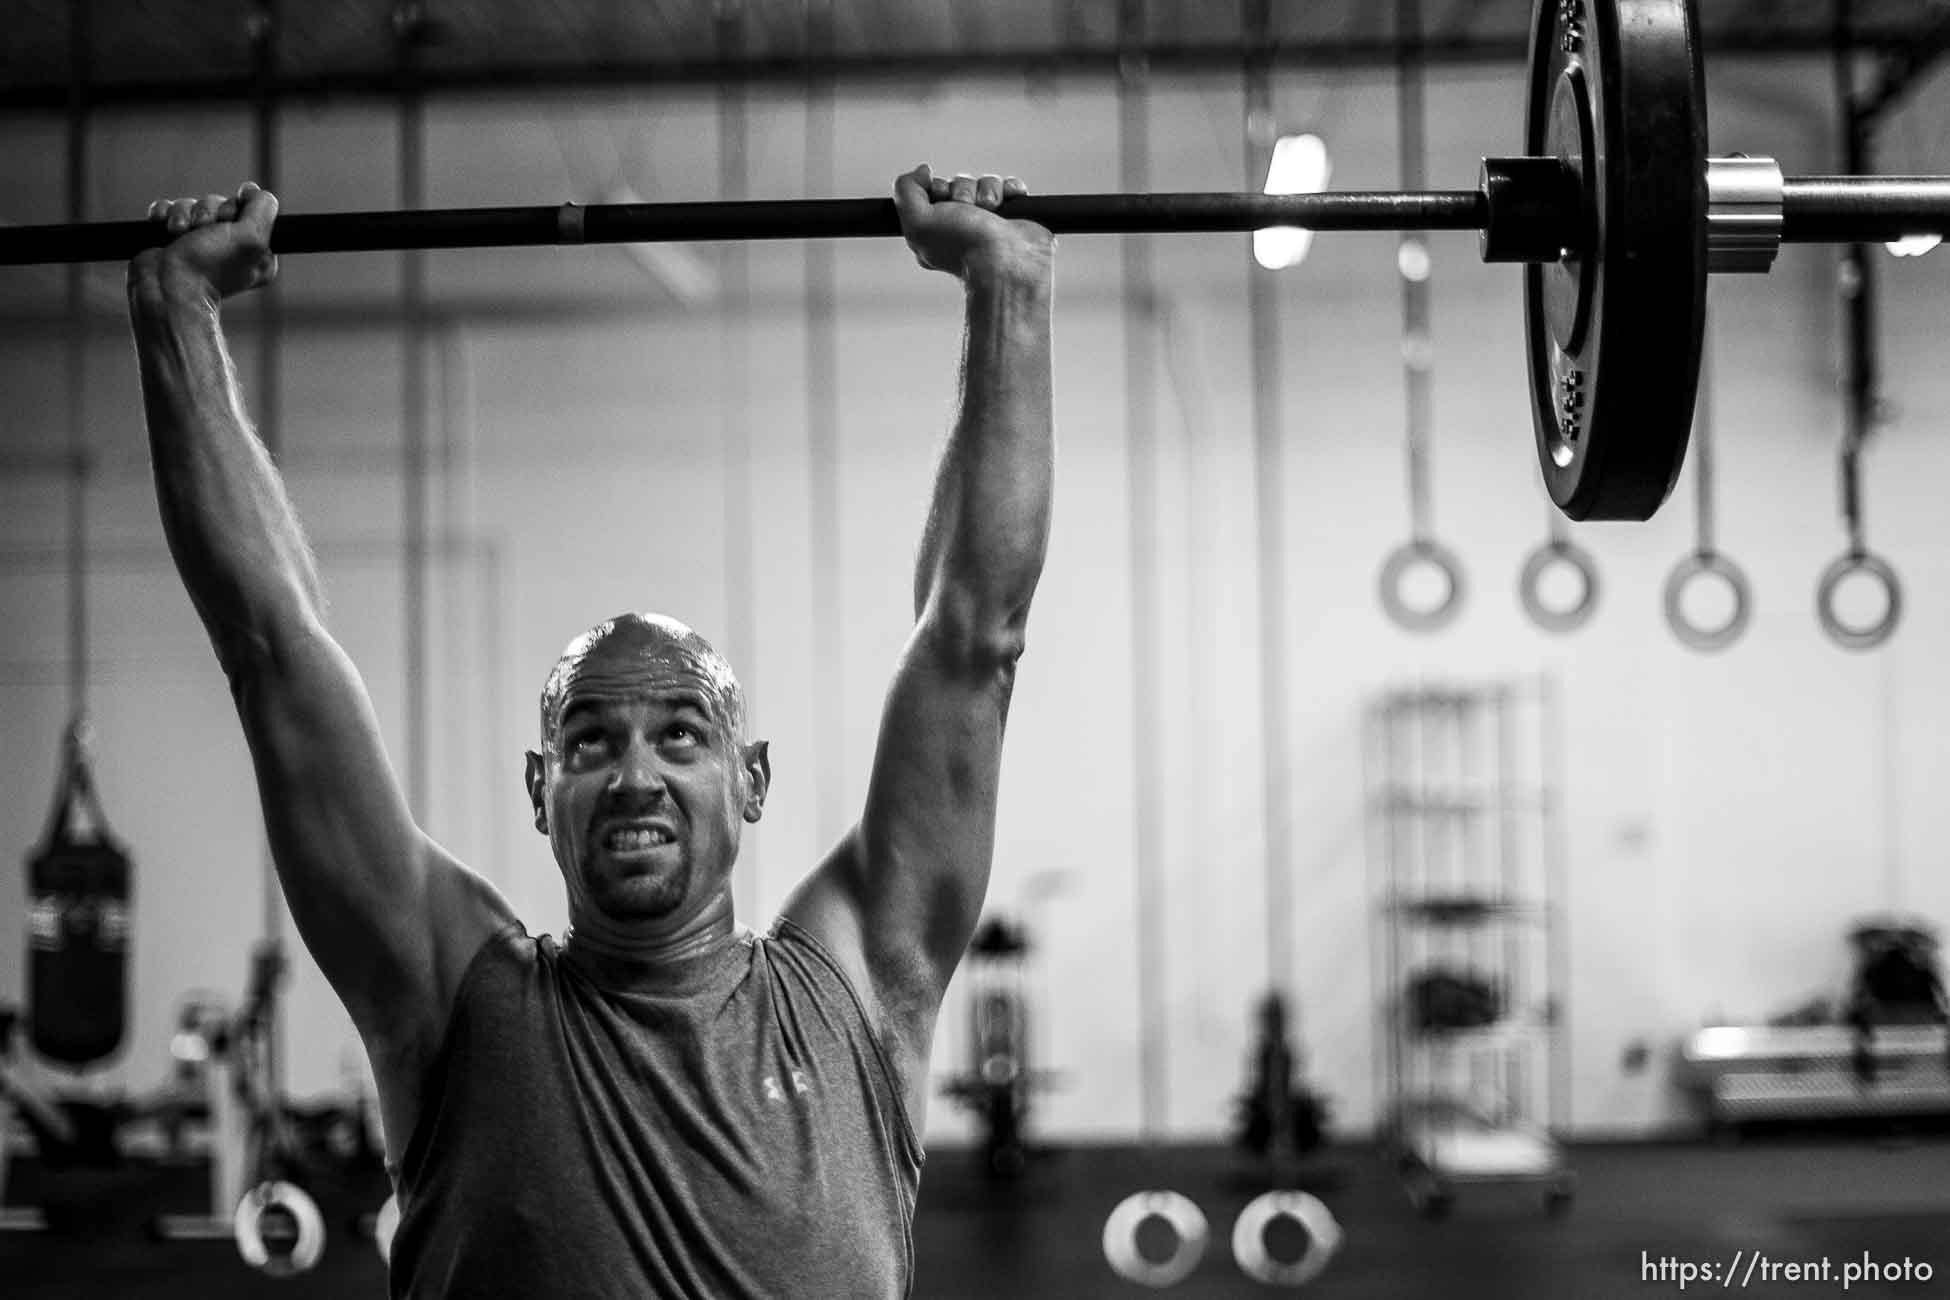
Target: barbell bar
[
  {"x": 1615, "y": 211},
  {"x": 1815, "y": 209}
]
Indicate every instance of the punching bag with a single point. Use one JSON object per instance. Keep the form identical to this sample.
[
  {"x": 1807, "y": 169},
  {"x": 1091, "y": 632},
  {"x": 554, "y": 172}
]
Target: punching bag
[{"x": 78, "y": 923}]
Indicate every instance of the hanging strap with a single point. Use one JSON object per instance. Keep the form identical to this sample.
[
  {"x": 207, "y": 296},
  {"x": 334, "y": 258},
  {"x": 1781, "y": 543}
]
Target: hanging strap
[
  {"x": 1704, "y": 536},
  {"x": 1421, "y": 551},
  {"x": 1706, "y": 560},
  {"x": 76, "y": 816},
  {"x": 77, "y": 349},
  {"x": 1412, "y": 262}
]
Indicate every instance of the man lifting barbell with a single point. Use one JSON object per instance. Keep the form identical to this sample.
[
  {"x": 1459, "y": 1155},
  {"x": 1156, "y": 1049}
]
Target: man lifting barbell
[
  {"x": 663, "y": 1101},
  {"x": 1615, "y": 211}
]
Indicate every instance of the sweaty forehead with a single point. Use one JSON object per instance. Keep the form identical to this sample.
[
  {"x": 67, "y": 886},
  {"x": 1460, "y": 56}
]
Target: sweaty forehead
[
  {"x": 639, "y": 658},
  {"x": 597, "y": 682}
]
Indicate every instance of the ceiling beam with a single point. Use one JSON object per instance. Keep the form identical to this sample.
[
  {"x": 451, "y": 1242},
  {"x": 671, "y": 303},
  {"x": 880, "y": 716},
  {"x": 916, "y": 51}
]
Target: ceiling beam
[
  {"x": 1462, "y": 18},
  {"x": 1903, "y": 68},
  {"x": 497, "y": 80}
]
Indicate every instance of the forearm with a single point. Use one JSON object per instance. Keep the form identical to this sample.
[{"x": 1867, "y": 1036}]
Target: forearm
[
  {"x": 229, "y": 524},
  {"x": 988, "y": 527}
]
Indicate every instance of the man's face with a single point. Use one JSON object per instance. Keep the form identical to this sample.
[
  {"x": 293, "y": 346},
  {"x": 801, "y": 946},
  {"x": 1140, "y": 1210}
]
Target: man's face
[{"x": 644, "y": 783}]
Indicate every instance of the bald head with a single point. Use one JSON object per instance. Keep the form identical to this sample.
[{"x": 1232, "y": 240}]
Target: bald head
[{"x": 647, "y": 650}]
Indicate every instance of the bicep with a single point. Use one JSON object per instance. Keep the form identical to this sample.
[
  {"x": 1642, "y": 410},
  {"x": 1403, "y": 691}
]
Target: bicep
[{"x": 361, "y": 878}]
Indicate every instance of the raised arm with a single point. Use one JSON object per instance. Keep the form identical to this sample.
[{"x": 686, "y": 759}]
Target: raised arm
[
  {"x": 375, "y": 902},
  {"x": 904, "y": 890}
]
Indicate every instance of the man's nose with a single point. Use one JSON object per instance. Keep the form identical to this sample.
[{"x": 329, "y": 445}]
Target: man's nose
[{"x": 637, "y": 769}]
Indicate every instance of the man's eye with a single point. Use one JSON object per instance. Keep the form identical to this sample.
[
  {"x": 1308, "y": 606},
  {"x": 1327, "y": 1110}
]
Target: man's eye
[
  {"x": 679, "y": 731},
  {"x": 588, "y": 742}
]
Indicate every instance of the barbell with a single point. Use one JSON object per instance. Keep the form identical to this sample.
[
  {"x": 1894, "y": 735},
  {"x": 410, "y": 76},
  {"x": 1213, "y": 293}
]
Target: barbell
[{"x": 1615, "y": 210}]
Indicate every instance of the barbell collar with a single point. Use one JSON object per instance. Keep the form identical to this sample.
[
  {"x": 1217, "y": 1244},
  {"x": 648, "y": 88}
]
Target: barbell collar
[
  {"x": 1744, "y": 205},
  {"x": 1533, "y": 209}
]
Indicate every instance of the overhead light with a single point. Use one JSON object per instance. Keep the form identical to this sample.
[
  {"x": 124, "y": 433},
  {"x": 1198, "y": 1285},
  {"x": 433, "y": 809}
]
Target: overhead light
[
  {"x": 1719, "y": 1042},
  {"x": 1299, "y": 166},
  {"x": 1914, "y": 245},
  {"x": 1412, "y": 260},
  {"x": 675, "y": 267}
]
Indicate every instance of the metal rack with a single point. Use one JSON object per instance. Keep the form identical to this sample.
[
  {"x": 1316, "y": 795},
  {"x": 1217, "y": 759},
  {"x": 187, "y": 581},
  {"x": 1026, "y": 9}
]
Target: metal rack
[{"x": 1472, "y": 1078}]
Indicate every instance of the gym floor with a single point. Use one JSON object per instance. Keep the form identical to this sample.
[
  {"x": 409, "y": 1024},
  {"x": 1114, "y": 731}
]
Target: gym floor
[{"x": 1877, "y": 1196}]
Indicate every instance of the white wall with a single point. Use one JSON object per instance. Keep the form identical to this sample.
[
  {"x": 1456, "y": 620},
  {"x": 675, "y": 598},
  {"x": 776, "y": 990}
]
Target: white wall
[{"x": 1726, "y": 815}]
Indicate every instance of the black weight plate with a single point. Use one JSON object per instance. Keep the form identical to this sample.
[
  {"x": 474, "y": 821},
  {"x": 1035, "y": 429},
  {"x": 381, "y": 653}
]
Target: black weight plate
[{"x": 1613, "y": 329}]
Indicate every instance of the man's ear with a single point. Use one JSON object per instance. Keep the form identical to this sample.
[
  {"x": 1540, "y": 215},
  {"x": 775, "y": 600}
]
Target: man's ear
[
  {"x": 536, "y": 778},
  {"x": 758, "y": 778}
]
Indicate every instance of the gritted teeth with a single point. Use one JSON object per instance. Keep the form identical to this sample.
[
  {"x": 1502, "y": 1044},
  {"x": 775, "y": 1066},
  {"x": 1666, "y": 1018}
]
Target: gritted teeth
[{"x": 627, "y": 839}]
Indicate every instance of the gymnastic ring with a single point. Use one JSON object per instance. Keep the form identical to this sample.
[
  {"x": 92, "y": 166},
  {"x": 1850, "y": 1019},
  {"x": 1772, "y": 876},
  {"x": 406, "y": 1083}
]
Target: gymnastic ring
[
  {"x": 1421, "y": 550},
  {"x": 1698, "y": 564},
  {"x": 1249, "y": 1238},
  {"x": 1859, "y": 638},
  {"x": 385, "y": 1226},
  {"x": 1120, "y": 1238},
  {"x": 1558, "y": 550},
  {"x": 248, "y": 1228}
]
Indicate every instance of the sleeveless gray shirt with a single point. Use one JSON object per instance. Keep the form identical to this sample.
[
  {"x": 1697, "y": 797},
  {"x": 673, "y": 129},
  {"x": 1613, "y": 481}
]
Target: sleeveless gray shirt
[{"x": 732, "y": 1130}]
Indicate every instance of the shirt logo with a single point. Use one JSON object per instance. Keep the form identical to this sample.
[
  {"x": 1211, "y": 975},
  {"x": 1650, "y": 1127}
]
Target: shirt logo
[{"x": 801, "y": 1086}]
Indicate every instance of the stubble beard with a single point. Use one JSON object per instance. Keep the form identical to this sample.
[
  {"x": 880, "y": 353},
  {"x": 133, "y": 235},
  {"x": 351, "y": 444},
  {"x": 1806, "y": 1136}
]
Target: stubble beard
[{"x": 641, "y": 895}]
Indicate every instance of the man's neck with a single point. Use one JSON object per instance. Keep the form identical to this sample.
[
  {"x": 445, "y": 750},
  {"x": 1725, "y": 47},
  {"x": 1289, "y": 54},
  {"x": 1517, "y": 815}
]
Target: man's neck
[{"x": 636, "y": 951}]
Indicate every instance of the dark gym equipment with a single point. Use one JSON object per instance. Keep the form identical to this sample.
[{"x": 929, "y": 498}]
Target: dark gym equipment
[
  {"x": 1617, "y": 209},
  {"x": 78, "y": 922},
  {"x": 66, "y": 1131},
  {"x": 1898, "y": 981},
  {"x": 68, "y": 1134},
  {"x": 1882, "y": 1055},
  {"x": 1276, "y": 1112},
  {"x": 998, "y": 1084},
  {"x": 1440, "y": 999},
  {"x": 82, "y": 1144},
  {"x": 258, "y": 1196}
]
